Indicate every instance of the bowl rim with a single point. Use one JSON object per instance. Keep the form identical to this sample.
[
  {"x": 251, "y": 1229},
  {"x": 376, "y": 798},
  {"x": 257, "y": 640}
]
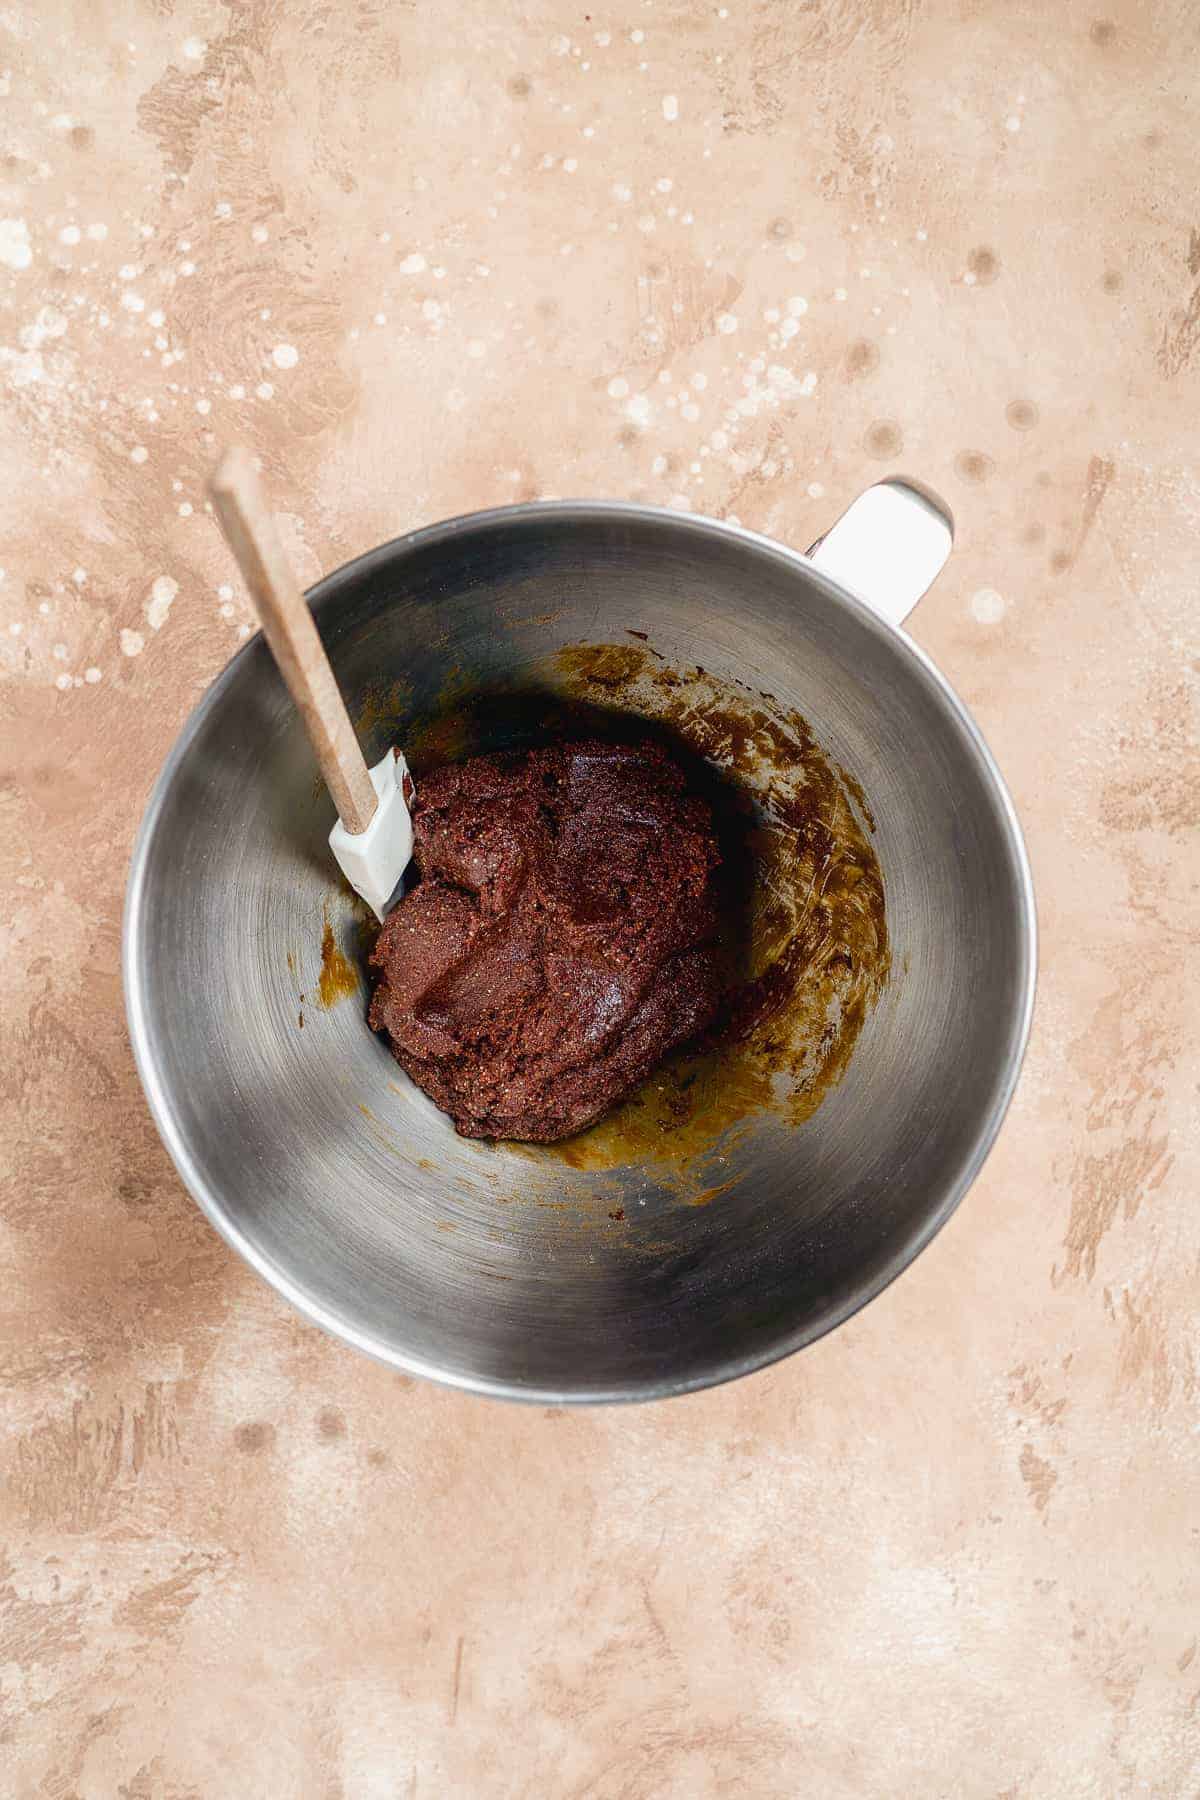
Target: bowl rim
[{"x": 723, "y": 1369}]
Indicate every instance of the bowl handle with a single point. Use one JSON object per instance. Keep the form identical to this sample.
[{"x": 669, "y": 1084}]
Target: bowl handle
[{"x": 888, "y": 547}]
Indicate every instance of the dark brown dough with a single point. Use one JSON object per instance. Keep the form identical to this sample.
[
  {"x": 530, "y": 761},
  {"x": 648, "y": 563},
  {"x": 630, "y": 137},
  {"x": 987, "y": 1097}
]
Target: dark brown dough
[{"x": 560, "y": 939}]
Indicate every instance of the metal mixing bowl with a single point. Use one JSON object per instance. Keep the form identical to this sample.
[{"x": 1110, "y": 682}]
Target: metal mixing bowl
[{"x": 344, "y": 1186}]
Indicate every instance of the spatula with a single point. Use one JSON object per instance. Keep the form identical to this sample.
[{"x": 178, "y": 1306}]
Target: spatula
[{"x": 373, "y": 837}]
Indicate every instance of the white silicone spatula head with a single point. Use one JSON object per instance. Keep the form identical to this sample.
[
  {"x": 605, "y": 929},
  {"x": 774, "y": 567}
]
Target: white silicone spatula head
[
  {"x": 373, "y": 838},
  {"x": 374, "y": 860}
]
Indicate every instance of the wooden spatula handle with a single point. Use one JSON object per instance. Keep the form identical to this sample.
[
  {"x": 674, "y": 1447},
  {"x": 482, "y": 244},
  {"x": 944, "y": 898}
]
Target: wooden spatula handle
[{"x": 288, "y": 628}]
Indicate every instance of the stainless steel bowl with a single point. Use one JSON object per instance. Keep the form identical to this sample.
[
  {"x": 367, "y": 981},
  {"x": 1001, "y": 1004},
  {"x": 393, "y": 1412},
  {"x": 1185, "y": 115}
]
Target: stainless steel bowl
[{"x": 342, "y": 1184}]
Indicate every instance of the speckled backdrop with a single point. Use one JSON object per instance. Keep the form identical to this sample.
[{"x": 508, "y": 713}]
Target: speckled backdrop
[{"x": 737, "y": 258}]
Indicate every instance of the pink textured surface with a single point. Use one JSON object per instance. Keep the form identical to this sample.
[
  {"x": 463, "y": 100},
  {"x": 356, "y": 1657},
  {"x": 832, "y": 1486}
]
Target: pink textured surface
[{"x": 745, "y": 258}]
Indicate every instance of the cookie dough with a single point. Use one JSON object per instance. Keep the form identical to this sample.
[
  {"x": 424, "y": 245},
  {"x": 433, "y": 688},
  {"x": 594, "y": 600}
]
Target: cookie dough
[{"x": 559, "y": 941}]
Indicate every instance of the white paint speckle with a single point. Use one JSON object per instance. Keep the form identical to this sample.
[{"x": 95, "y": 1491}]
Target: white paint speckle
[
  {"x": 186, "y": 509},
  {"x": 987, "y": 606},
  {"x": 70, "y": 234},
  {"x": 637, "y": 411},
  {"x": 194, "y": 48},
  {"x": 285, "y": 356},
  {"x": 92, "y": 675},
  {"x": 621, "y": 192},
  {"x": 476, "y": 348},
  {"x": 413, "y": 264},
  {"x": 204, "y": 407},
  {"x": 455, "y": 400},
  {"x": 132, "y": 302},
  {"x": 1012, "y": 123},
  {"x": 132, "y": 642},
  {"x": 816, "y": 491},
  {"x": 727, "y": 323},
  {"x": 637, "y": 37},
  {"x": 670, "y": 108},
  {"x": 79, "y": 577},
  {"x": 797, "y": 306},
  {"x": 162, "y": 596},
  {"x": 49, "y": 323},
  {"x": 15, "y": 249},
  {"x": 259, "y": 234},
  {"x": 570, "y": 164},
  {"x": 138, "y": 454},
  {"x": 62, "y": 682},
  {"x": 224, "y": 592},
  {"x": 431, "y": 310},
  {"x": 264, "y": 390}
]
